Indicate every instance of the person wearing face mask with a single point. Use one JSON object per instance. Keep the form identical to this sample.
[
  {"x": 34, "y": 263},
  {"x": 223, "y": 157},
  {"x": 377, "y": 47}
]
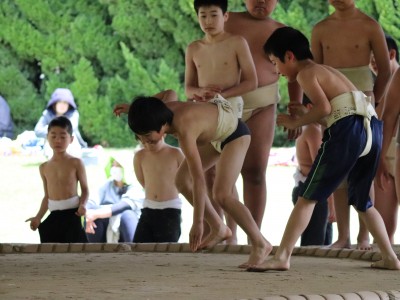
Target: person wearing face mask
[
  {"x": 61, "y": 103},
  {"x": 113, "y": 216}
]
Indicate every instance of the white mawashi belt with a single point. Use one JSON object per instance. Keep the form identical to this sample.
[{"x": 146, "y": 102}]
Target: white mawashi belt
[{"x": 356, "y": 104}]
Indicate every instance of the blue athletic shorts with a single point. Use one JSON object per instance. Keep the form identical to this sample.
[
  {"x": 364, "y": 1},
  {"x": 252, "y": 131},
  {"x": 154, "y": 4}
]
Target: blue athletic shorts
[{"x": 338, "y": 157}]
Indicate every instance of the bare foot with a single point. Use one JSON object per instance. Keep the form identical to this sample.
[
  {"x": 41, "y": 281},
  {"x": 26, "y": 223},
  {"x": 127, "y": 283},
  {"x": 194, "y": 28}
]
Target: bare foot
[
  {"x": 271, "y": 264},
  {"x": 340, "y": 244},
  {"x": 232, "y": 240},
  {"x": 388, "y": 264},
  {"x": 364, "y": 245},
  {"x": 215, "y": 238},
  {"x": 257, "y": 255}
]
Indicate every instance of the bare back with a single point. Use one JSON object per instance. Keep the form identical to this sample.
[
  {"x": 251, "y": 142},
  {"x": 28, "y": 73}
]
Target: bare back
[
  {"x": 60, "y": 177},
  {"x": 156, "y": 171},
  {"x": 307, "y": 145},
  {"x": 256, "y": 32}
]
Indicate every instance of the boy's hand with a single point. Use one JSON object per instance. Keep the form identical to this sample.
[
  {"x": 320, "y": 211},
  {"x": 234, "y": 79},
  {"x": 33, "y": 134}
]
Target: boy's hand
[
  {"x": 207, "y": 93},
  {"x": 35, "y": 222},
  {"x": 286, "y": 121},
  {"x": 297, "y": 109},
  {"x": 122, "y": 108},
  {"x": 81, "y": 211},
  {"x": 195, "y": 236}
]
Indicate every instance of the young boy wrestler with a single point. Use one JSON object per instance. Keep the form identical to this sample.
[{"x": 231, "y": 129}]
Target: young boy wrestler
[
  {"x": 220, "y": 63},
  {"x": 256, "y": 25},
  {"x": 390, "y": 118},
  {"x": 61, "y": 175},
  {"x": 155, "y": 167},
  {"x": 196, "y": 125},
  {"x": 350, "y": 146},
  {"x": 386, "y": 198},
  {"x": 345, "y": 41}
]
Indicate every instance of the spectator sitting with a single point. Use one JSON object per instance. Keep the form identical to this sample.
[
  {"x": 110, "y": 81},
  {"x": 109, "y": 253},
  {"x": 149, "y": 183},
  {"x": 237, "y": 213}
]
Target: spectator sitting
[
  {"x": 113, "y": 217},
  {"x": 61, "y": 103},
  {"x": 6, "y": 122}
]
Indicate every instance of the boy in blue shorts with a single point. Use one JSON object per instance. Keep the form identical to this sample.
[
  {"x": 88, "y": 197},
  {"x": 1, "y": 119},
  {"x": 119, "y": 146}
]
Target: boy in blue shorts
[{"x": 350, "y": 147}]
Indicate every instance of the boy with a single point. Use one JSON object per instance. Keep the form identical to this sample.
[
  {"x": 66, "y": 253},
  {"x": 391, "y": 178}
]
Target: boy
[
  {"x": 350, "y": 147},
  {"x": 155, "y": 167},
  {"x": 196, "y": 125},
  {"x": 345, "y": 41},
  {"x": 256, "y": 25},
  {"x": 220, "y": 63},
  {"x": 60, "y": 176},
  {"x": 386, "y": 198},
  {"x": 319, "y": 230}
]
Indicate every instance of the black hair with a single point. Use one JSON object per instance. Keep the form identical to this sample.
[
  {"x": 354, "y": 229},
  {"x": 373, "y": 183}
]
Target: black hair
[
  {"x": 223, "y": 4},
  {"x": 288, "y": 39},
  {"x": 62, "y": 122},
  {"x": 148, "y": 114},
  {"x": 392, "y": 45}
]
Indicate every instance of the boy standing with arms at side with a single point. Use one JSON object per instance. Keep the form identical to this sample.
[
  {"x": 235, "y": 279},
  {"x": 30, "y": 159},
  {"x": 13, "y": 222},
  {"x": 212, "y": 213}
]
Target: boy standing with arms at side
[
  {"x": 209, "y": 134},
  {"x": 256, "y": 25},
  {"x": 155, "y": 168},
  {"x": 345, "y": 41},
  {"x": 60, "y": 176},
  {"x": 350, "y": 147}
]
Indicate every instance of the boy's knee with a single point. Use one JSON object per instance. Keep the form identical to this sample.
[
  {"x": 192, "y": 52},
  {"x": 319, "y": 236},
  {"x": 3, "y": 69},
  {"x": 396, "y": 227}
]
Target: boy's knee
[
  {"x": 255, "y": 175},
  {"x": 221, "y": 197}
]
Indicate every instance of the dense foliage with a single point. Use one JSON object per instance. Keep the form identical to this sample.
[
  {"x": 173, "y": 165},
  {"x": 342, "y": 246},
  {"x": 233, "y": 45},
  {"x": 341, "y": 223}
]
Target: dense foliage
[{"x": 108, "y": 51}]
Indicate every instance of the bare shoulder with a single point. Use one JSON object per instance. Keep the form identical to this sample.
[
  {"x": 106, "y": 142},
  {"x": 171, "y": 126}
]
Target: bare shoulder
[
  {"x": 76, "y": 161},
  {"x": 194, "y": 45}
]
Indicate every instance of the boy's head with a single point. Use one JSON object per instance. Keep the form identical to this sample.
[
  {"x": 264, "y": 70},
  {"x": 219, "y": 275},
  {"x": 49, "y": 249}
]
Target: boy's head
[
  {"x": 392, "y": 47},
  {"x": 260, "y": 9},
  {"x": 146, "y": 118},
  {"x": 61, "y": 122},
  {"x": 288, "y": 39},
  {"x": 342, "y": 4},
  {"x": 222, "y": 4},
  {"x": 59, "y": 133}
]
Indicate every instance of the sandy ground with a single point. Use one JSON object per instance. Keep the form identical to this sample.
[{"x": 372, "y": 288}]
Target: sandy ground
[{"x": 183, "y": 275}]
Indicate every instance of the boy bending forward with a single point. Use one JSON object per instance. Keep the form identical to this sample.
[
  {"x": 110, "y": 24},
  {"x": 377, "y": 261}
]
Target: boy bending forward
[
  {"x": 350, "y": 147},
  {"x": 196, "y": 125}
]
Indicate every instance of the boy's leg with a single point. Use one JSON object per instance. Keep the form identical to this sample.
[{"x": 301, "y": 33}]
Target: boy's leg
[
  {"x": 261, "y": 125},
  {"x": 296, "y": 224},
  {"x": 342, "y": 211},
  {"x": 397, "y": 175},
  {"x": 225, "y": 193},
  {"x": 376, "y": 226},
  {"x": 218, "y": 230}
]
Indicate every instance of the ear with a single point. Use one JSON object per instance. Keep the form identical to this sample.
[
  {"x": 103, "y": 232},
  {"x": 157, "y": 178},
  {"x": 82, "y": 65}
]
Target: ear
[
  {"x": 226, "y": 16},
  {"x": 392, "y": 54},
  {"x": 72, "y": 139},
  {"x": 289, "y": 56}
]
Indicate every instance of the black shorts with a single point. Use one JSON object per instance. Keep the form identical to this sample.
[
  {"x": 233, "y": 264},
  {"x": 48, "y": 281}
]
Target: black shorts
[{"x": 240, "y": 131}]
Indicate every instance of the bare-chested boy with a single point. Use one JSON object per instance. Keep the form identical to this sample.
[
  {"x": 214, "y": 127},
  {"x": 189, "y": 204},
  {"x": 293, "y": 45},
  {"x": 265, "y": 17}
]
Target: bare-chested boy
[
  {"x": 386, "y": 199},
  {"x": 60, "y": 176},
  {"x": 256, "y": 25},
  {"x": 345, "y": 41},
  {"x": 219, "y": 63},
  {"x": 155, "y": 167},
  {"x": 209, "y": 134},
  {"x": 351, "y": 144}
]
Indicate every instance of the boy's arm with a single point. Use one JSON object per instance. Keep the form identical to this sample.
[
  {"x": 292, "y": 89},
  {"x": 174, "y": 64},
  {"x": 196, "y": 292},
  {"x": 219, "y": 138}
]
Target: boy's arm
[
  {"x": 189, "y": 148},
  {"x": 316, "y": 47},
  {"x": 35, "y": 221},
  {"x": 379, "y": 49},
  {"x": 81, "y": 174},
  {"x": 248, "y": 78},
  {"x": 295, "y": 96},
  {"x": 321, "y": 106},
  {"x": 391, "y": 111},
  {"x": 137, "y": 166}
]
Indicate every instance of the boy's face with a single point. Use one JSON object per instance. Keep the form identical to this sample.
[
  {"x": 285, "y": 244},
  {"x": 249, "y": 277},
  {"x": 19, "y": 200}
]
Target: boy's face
[
  {"x": 260, "y": 9},
  {"x": 341, "y": 4},
  {"x": 284, "y": 68},
  {"x": 59, "y": 139},
  {"x": 152, "y": 139},
  {"x": 211, "y": 19}
]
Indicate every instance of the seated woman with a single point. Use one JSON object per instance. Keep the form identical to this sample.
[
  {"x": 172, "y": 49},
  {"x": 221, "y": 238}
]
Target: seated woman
[
  {"x": 114, "y": 215},
  {"x": 61, "y": 103},
  {"x": 6, "y": 121}
]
